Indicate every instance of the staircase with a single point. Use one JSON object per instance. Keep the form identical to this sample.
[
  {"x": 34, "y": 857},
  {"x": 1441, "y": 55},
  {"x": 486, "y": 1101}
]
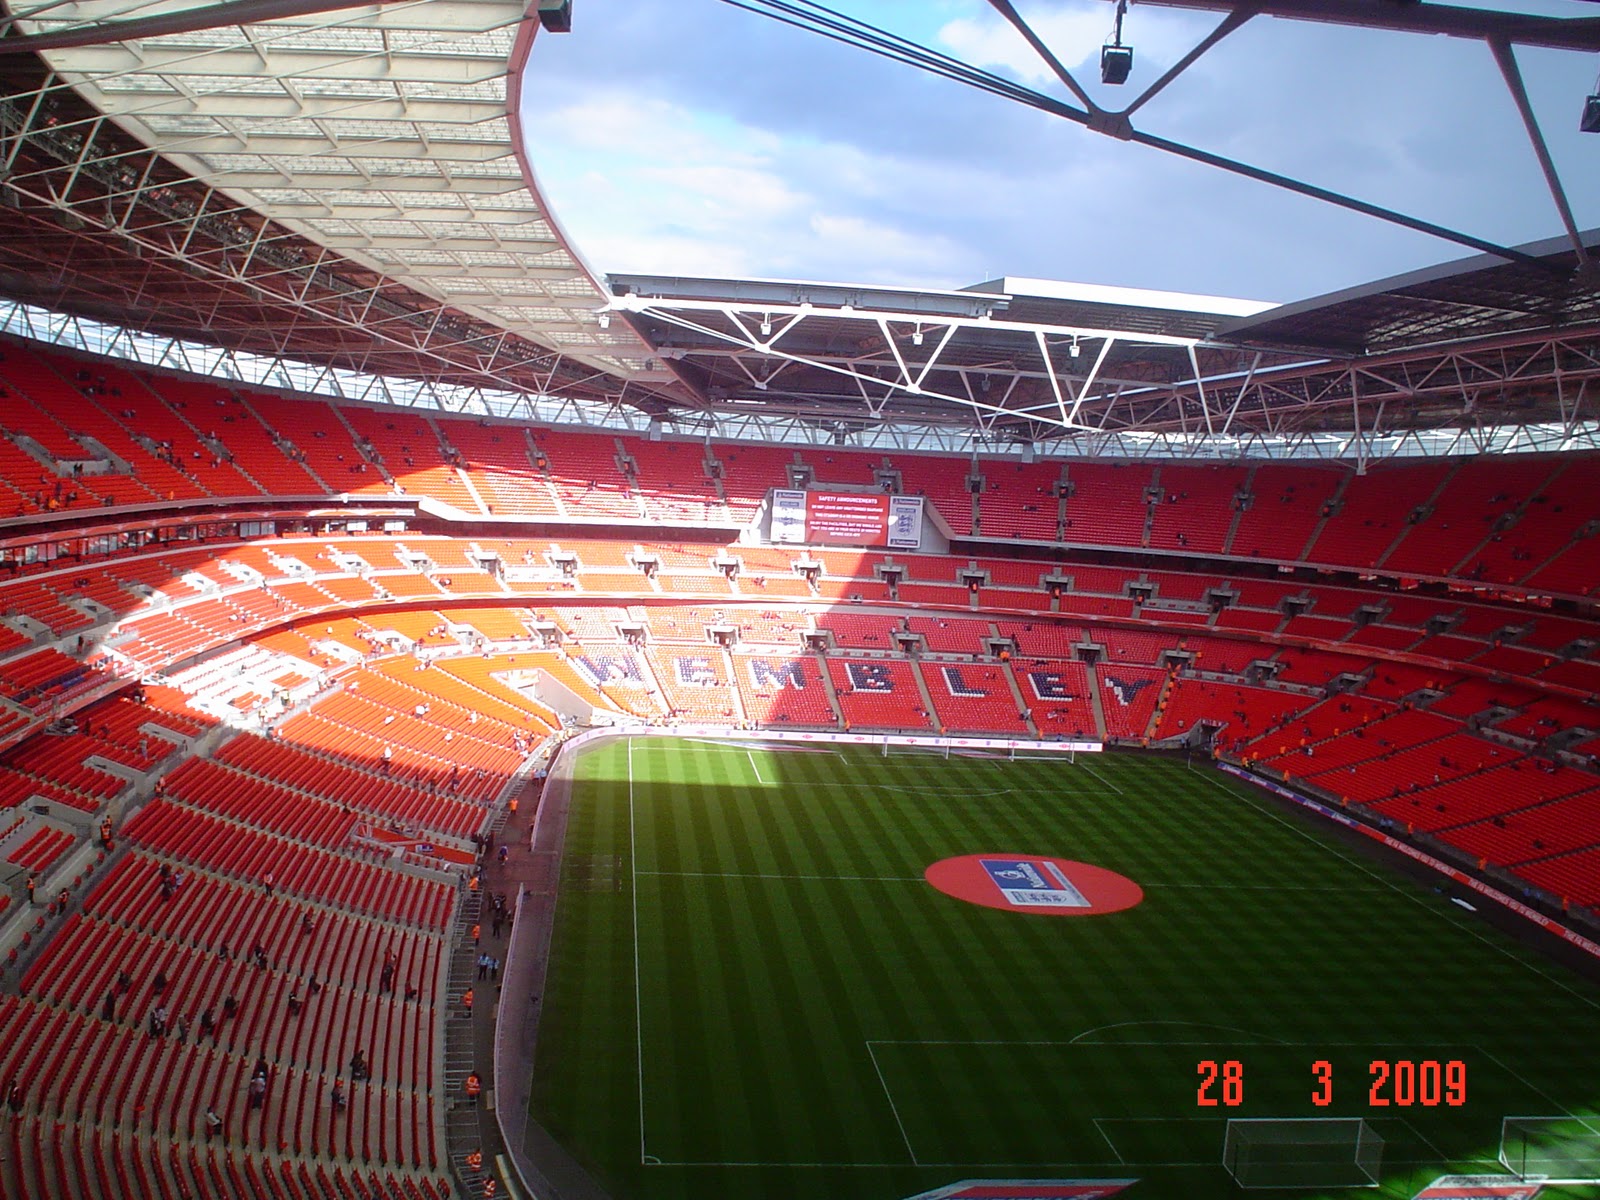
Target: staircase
[
  {"x": 829, "y": 691},
  {"x": 927, "y": 696},
  {"x": 1023, "y": 706},
  {"x": 1245, "y": 488},
  {"x": 279, "y": 439},
  {"x": 460, "y": 472},
  {"x": 463, "y": 1130},
  {"x": 1095, "y": 701},
  {"x": 1426, "y": 508}
]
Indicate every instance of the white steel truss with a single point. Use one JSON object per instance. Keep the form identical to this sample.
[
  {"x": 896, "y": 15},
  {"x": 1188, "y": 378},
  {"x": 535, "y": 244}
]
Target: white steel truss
[
  {"x": 851, "y": 368},
  {"x": 380, "y": 132},
  {"x": 899, "y": 356},
  {"x": 1579, "y": 430}
]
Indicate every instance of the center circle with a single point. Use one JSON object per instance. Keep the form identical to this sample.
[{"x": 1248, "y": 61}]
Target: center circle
[{"x": 1034, "y": 883}]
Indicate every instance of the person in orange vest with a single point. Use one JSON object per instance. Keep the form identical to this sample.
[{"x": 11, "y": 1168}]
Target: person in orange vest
[
  {"x": 477, "y": 932},
  {"x": 474, "y": 1085},
  {"x": 466, "y": 1001},
  {"x": 512, "y": 804},
  {"x": 475, "y": 1160},
  {"x": 105, "y": 832},
  {"x": 490, "y": 1187}
]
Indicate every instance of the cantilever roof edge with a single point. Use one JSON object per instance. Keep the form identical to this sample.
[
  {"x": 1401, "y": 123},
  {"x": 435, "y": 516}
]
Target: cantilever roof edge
[{"x": 1490, "y": 273}]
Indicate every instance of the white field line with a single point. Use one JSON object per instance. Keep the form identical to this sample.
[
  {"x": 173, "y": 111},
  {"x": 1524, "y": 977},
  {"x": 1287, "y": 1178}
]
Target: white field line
[
  {"x": 888, "y": 1095},
  {"x": 804, "y": 878},
  {"x": 638, "y": 1003},
  {"x": 1392, "y": 886}
]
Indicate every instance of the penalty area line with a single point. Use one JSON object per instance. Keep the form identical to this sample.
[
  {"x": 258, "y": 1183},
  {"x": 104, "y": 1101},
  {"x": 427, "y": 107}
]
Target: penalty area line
[
  {"x": 801, "y": 878},
  {"x": 889, "y": 1096},
  {"x": 1107, "y": 1137},
  {"x": 1258, "y": 887},
  {"x": 1115, "y": 790}
]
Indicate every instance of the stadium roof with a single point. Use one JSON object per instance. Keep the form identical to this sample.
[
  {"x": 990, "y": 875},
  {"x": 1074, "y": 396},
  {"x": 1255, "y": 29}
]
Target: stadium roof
[
  {"x": 1465, "y": 345},
  {"x": 349, "y": 189},
  {"x": 346, "y": 186},
  {"x": 1478, "y": 297}
]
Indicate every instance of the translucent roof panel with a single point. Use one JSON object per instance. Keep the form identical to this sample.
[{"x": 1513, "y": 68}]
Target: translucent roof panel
[{"x": 379, "y": 132}]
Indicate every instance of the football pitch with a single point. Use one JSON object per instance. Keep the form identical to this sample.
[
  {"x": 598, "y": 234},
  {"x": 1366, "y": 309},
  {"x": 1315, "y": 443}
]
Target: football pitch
[{"x": 754, "y": 992}]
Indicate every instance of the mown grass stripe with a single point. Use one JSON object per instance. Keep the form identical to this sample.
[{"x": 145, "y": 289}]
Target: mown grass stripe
[{"x": 762, "y": 991}]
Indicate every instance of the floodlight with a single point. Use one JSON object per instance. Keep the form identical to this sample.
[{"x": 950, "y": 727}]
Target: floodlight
[
  {"x": 556, "y": 15},
  {"x": 1076, "y": 349},
  {"x": 605, "y": 320},
  {"x": 1116, "y": 60},
  {"x": 1591, "y": 115},
  {"x": 916, "y": 336},
  {"x": 766, "y": 327},
  {"x": 1116, "y": 63}
]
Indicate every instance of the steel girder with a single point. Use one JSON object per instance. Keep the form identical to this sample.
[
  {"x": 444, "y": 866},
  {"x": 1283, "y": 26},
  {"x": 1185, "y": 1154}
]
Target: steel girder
[
  {"x": 381, "y": 133},
  {"x": 852, "y": 368}
]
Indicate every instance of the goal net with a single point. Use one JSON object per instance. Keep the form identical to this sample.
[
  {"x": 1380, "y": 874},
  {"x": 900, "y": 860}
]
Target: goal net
[
  {"x": 1308, "y": 1152},
  {"x": 893, "y": 747},
  {"x": 1555, "y": 1149}
]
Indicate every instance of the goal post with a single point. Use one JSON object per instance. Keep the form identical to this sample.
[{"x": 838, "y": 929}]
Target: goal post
[
  {"x": 1561, "y": 1150},
  {"x": 909, "y": 749},
  {"x": 1302, "y": 1152},
  {"x": 890, "y": 746}
]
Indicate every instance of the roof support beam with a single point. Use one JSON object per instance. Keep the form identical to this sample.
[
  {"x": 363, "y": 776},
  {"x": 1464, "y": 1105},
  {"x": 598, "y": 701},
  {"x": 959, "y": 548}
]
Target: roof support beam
[
  {"x": 1555, "y": 33},
  {"x": 1506, "y": 59}
]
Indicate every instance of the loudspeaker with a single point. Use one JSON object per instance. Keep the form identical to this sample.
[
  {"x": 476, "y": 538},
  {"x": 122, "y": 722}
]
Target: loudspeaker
[{"x": 1591, "y": 115}]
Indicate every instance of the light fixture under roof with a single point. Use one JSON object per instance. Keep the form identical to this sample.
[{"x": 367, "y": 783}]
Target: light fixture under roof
[{"x": 1116, "y": 60}]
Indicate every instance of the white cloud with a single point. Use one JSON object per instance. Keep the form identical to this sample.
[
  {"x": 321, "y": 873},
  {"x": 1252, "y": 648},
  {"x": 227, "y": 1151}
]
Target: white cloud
[
  {"x": 632, "y": 123},
  {"x": 729, "y": 193},
  {"x": 643, "y": 185},
  {"x": 1073, "y": 35},
  {"x": 904, "y": 256},
  {"x": 717, "y": 145}
]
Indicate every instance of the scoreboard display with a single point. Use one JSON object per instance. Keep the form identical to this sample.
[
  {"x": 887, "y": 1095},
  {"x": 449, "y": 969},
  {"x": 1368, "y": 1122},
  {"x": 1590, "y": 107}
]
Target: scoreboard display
[{"x": 865, "y": 518}]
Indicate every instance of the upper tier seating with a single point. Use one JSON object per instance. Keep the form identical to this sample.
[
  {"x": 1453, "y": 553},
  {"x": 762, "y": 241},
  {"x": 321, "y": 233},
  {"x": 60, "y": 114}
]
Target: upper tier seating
[{"x": 1528, "y": 523}]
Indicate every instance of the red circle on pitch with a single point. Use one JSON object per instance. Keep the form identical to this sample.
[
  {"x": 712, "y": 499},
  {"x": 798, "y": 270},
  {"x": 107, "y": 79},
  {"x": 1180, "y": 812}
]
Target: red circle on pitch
[{"x": 1034, "y": 883}]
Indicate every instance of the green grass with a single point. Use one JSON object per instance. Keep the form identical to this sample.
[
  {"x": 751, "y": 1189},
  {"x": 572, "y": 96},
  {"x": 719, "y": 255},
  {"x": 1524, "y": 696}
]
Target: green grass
[{"x": 769, "y": 1001}]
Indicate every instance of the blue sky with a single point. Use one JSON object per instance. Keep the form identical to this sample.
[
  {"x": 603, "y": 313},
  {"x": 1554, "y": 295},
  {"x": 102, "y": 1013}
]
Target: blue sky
[{"x": 689, "y": 137}]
